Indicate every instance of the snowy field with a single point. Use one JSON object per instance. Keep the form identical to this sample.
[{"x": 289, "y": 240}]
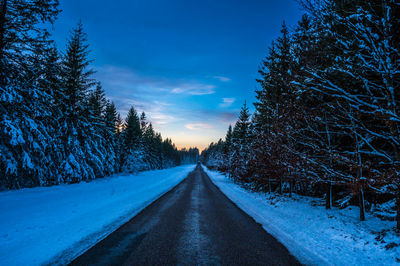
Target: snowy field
[
  {"x": 314, "y": 235},
  {"x": 43, "y": 225}
]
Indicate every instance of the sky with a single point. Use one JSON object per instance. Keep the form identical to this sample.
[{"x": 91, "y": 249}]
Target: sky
[{"x": 190, "y": 65}]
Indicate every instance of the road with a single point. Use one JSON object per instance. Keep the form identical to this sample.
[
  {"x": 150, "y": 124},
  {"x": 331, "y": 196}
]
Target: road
[{"x": 193, "y": 224}]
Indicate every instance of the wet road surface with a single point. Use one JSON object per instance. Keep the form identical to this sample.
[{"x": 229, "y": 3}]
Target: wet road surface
[{"x": 193, "y": 224}]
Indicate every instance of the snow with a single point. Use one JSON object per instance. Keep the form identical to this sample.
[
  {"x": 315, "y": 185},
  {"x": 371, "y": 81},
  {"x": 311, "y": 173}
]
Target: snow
[
  {"x": 314, "y": 235},
  {"x": 56, "y": 224}
]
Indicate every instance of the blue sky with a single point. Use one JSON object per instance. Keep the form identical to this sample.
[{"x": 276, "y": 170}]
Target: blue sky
[{"x": 188, "y": 64}]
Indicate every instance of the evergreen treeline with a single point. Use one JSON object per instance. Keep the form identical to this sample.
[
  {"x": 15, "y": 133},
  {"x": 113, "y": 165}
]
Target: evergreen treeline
[
  {"x": 326, "y": 119},
  {"x": 56, "y": 125}
]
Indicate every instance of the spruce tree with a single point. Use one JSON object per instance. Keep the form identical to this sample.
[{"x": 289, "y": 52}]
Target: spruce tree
[
  {"x": 25, "y": 140},
  {"x": 132, "y": 149},
  {"x": 149, "y": 137},
  {"x": 241, "y": 138},
  {"x": 21, "y": 33},
  {"x": 97, "y": 103},
  {"x": 111, "y": 133},
  {"x": 143, "y": 122},
  {"x": 227, "y": 150},
  {"x": 132, "y": 131},
  {"x": 82, "y": 157},
  {"x": 111, "y": 117}
]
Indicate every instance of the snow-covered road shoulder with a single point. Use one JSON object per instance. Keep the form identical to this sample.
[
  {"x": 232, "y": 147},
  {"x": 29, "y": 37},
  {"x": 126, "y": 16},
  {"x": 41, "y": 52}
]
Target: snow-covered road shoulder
[
  {"x": 42, "y": 225},
  {"x": 311, "y": 233}
]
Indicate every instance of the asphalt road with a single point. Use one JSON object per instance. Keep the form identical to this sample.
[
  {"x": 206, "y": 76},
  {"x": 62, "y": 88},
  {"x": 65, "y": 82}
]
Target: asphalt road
[{"x": 193, "y": 224}]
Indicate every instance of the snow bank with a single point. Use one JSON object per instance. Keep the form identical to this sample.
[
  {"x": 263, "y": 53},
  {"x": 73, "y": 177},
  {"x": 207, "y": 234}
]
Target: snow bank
[
  {"x": 42, "y": 225},
  {"x": 314, "y": 235}
]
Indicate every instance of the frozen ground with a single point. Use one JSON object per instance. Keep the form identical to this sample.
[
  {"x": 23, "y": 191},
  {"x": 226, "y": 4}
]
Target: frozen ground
[
  {"x": 316, "y": 236},
  {"x": 42, "y": 225}
]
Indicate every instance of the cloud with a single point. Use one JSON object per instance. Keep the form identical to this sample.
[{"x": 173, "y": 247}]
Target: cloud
[
  {"x": 126, "y": 81},
  {"x": 226, "y": 117},
  {"x": 222, "y": 78},
  {"x": 153, "y": 94},
  {"x": 123, "y": 81},
  {"x": 167, "y": 105},
  {"x": 162, "y": 119},
  {"x": 157, "y": 112},
  {"x": 226, "y": 102},
  {"x": 219, "y": 116},
  {"x": 194, "y": 89},
  {"x": 198, "y": 126}
]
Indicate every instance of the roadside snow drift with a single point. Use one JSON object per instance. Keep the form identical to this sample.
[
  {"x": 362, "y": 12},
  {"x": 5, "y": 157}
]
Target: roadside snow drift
[
  {"x": 314, "y": 235},
  {"x": 55, "y": 224}
]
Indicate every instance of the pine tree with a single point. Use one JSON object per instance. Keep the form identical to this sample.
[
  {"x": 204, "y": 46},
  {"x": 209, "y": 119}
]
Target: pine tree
[
  {"x": 111, "y": 134},
  {"x": 112, "y": 119},
  {"x": 103, "y": 138},
  {"x": 132, "y": 149},
  {"x": 77, "y": 78},
  {"x": 149, "y": 137},
  {"x": 25, "y": 141},
  {"x": 158, "y": 147},
  {"x": 327, "y": 111},
  {"x": 143, "y": 122},
  {"x": 55, "y": 127},
  {"x": 97, "y": 103},
  {"x": 227, "y": 150},
  {"x": 241, "y": 138},
  {"x": 359, "y": 80},
  {"x": 147, "y": 141},
  {"x": 21, "y": 33},
  {"x": 83, "y": 157},
  {"x": 132, "y": 131}
]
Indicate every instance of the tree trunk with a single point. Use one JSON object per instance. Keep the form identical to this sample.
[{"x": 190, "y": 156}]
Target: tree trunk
[
  {"x": 360, "y": 178},
  {"x": 269, "y": 185},
  {"x": 398, "y": 209},
  {"x": 361, "y": 200},
  {"x": 3, "y": 12},
  {"x": 328, "y": 198},
  {"x": 2, "y": 25}
]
